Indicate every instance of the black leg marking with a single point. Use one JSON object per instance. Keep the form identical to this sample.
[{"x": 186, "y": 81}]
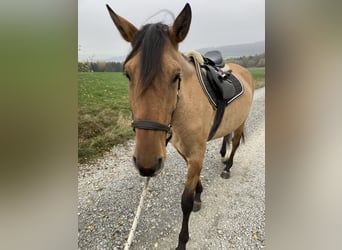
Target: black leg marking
[
  {"x": 236, "y": 142},
  {"x": 197, "y": 201},
  {"x": 223, "y": 147},
  {"x": 187, "y": 206}
]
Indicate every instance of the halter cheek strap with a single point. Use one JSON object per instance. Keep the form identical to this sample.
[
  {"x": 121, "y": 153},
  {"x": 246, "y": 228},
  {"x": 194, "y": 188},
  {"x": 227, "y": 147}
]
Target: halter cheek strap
[{"x": 151, "y": 125}]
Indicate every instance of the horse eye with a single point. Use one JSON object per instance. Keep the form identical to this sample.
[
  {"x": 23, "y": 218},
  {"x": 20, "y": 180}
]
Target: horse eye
[
  {"x": 127, "y": 75},
  {"x": 176, "y": 78}
]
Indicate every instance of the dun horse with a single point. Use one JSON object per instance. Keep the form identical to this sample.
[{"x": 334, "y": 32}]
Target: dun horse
[{"x": 168, "y": 104}]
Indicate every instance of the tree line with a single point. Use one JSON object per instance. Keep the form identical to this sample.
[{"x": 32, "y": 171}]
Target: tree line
[
  {"x": 99, "y": 67},
  {"x": 249, "y": 61},
  {"x": 245, "y": 61}
]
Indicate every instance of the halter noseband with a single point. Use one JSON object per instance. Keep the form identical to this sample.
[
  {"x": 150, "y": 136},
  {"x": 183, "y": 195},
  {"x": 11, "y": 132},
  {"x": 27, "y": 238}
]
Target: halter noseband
[{"x": 151, "y": 125}]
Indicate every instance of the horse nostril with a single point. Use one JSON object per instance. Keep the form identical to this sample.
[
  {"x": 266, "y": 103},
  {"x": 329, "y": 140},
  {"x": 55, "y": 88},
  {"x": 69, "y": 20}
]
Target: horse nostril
[{"x": 134, "y": 160}]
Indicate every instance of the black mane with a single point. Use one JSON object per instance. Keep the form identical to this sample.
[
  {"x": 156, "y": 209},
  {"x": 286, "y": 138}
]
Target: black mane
[{"x": 150, "y": 41}]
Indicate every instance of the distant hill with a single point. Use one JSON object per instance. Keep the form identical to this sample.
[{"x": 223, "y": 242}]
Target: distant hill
[
  {"x": 238, "y": 50},
  {"x": 228, "y": 51}
]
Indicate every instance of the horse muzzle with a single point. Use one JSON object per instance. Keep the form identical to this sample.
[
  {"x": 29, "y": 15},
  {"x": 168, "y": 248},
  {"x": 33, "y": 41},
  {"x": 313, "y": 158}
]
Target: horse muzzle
[{"x": 150, "y": 171}]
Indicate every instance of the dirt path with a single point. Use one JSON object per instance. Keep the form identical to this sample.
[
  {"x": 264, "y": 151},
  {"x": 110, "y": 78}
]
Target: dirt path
[{"x": 233, "y": 210}]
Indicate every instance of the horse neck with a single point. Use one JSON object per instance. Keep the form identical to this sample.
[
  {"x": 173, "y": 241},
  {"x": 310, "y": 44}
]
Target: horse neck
[
  {"x": 191, "y": 91},
  {"x": 193, "y": 112},
  {"x": 190, "y": 77}
]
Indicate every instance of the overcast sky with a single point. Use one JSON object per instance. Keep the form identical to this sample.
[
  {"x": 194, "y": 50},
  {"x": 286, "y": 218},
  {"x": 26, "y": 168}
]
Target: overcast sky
[{"x": 214, "y": 23}]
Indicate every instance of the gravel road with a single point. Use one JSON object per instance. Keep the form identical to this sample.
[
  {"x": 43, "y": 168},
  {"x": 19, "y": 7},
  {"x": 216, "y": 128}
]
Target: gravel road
[{"x": 233, "y": 210}]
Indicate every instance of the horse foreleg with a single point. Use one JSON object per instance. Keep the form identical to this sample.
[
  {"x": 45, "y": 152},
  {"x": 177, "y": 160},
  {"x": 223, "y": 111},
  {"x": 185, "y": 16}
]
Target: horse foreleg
[
  {"x": 187, "y": 205},
  {"x": 188, "y": 197},
  {"x": 238, "y": 134}
]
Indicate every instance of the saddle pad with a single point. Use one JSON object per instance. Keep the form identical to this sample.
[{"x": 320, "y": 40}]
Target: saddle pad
[{"x": 209, "y": 88}]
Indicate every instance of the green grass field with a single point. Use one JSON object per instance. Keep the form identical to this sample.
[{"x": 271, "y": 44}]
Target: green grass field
[
  {"x": 104, "y": 118},
  {"x": 104, "y": 114},
  {"x": 258, "y": 76}
]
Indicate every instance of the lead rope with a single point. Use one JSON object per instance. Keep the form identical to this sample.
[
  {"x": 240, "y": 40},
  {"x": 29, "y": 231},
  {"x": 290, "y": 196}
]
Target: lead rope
[{"x": 137, "y": 215}]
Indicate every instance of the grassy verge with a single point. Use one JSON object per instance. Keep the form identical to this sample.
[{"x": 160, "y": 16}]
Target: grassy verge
[
  {"x": 104, "y": 114},
  {"x": 258, "y": 76},
  {"x": 104, "y": 118}
]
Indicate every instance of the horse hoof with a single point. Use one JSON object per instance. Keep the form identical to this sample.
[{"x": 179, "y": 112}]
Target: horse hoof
[
  {"x": 197, "y": 206},
  {"x": 225, "y": 174}
]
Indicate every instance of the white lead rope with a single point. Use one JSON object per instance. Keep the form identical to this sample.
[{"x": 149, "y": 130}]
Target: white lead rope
[{"x": 137, "y": 215}]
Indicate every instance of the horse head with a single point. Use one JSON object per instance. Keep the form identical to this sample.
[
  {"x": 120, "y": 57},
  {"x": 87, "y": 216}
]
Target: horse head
[{"x": 154, "y": 73}]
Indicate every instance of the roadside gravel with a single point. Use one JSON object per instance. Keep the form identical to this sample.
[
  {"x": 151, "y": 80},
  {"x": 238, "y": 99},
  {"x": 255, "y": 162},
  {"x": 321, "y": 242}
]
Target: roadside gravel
[{"x": 233, "y": 210}]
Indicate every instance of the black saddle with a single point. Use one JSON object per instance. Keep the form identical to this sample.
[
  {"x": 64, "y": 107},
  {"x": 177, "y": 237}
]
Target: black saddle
[
  {"x": 221, "y": 81},
  {"x": 214, "y": 58},
  {"x": 220, "y": 87}
]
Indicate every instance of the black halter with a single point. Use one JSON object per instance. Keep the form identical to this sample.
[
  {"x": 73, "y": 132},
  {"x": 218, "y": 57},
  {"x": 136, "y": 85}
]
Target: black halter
[{"x": 151, "y": 125}]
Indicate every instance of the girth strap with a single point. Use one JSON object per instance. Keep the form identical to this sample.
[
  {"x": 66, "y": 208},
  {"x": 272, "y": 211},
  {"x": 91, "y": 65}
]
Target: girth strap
[{"x": 221, "y": 106}]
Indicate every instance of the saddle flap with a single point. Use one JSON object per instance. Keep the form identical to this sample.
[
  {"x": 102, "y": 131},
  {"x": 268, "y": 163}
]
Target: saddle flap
[
  {"x": 221, "y": 82},
  {"x": 220, "y": 86},
  {"x": 215, "y": 57}
]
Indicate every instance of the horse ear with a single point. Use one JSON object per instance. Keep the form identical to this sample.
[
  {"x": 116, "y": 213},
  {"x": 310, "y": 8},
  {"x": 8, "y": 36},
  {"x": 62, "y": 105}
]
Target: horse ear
[
  {"x": 181, "y": 25},
  {"x": 126, "y": 29}
]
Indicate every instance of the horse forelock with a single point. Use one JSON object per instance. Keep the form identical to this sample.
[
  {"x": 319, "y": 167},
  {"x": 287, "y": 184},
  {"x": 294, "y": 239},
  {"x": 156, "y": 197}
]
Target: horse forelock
[{"x": 150, "y": 42}]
